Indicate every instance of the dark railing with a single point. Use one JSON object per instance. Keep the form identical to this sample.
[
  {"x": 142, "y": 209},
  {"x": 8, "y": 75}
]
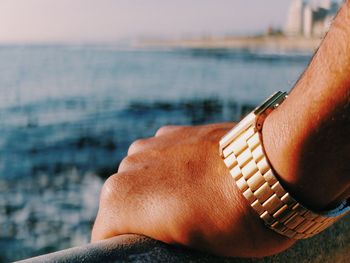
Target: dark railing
[{"x": 333, "y": 245}]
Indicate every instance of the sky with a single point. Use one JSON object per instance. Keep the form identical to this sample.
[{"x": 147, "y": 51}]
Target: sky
[{"x": 114, "y": 20}]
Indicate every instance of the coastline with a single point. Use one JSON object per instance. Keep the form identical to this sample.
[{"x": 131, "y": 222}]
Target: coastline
[{"x": 275, "y": 43}]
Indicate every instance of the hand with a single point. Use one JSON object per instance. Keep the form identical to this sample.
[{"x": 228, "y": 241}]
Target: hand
[{"x": 174, "y": 187}]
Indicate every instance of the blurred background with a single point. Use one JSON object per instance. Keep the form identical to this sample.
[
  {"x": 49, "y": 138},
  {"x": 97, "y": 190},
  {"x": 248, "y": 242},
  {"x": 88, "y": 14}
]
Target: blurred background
[{"x": 80, "y": 80}]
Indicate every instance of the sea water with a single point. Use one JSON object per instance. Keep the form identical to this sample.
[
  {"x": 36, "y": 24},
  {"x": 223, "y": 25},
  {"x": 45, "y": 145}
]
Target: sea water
[{"x": 68, "y": 114}]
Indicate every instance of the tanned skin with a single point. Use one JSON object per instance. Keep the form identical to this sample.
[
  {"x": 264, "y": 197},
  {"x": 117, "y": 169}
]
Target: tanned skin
[{"x": 174, "y": 187}]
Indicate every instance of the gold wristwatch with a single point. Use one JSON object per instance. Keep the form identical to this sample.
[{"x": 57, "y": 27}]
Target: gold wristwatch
[{"x": 243, "y": 153}]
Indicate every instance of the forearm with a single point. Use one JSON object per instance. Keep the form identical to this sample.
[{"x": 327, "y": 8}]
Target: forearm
[{"x": 307, "y": 138}]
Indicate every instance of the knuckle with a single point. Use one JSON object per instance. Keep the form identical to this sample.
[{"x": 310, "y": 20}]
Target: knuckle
[
  {"x": 113, "y": 189},
  {"x": 168, "y": 128},
  {"x": 109, "y": 189},
  {"x": 126, "y": 163},
  {"x": 162, "y": 130},
  {"x": 136, "y": 145},
  {"x": 111, "y": 206}
]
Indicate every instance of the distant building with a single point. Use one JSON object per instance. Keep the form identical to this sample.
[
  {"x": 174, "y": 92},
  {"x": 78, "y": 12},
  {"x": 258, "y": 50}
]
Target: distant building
[
  {"x": 310, "y": 19},
  {"x": 295, "y": 19}
]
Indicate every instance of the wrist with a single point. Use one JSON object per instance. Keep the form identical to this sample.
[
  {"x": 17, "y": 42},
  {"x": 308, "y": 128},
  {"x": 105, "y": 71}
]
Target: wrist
[{"x": 300, "y": 159}]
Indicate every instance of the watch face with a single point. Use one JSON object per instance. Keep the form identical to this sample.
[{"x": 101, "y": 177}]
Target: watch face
[{"x": 272, "y": 102}]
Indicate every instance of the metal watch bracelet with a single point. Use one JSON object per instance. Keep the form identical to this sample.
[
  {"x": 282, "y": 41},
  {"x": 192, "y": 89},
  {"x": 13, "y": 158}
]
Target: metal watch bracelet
[{"x": 243, "y": 154}]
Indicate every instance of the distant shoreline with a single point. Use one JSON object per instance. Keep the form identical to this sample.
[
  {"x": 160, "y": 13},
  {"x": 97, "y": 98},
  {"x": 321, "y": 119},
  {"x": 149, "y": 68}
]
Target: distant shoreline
[{"x": 275, "y": 43}]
